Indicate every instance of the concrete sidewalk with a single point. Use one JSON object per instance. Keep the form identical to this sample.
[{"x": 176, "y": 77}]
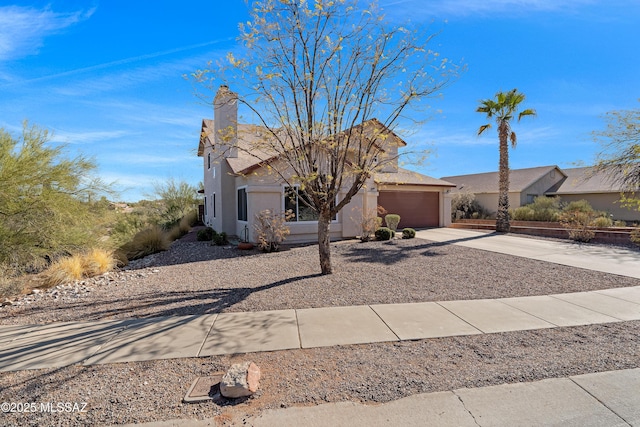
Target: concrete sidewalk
[
  {"x": 602, "y": 399},
  {"x": 591, "y": 400},
  {"x": 133, "y": 340},
  {"x": 609, "y": 259}
]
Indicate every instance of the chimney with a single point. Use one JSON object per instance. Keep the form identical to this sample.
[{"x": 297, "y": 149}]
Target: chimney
[{"x": 225, "y": 114}]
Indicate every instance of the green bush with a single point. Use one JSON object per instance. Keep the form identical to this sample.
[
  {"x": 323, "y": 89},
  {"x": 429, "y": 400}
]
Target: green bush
[
  {"x": 220, "y": 239},
  {"x": 206, "y": 234},
  {"x": 523, "y": 213},
  {"x": 578, "y": 206},
  {"x": 384, "y": 233},
  {"x": 602, "y": 222},
  {"x": 465, "y": 206},
  {"x": 635, "y": 236},
  {"x": 542, "y": 209},
  {"x": 392, "y": 221},
  {"x": 620, "y": 223},
  {"x": 408, "y": 233},
  {"x": 577, "y": 218}
]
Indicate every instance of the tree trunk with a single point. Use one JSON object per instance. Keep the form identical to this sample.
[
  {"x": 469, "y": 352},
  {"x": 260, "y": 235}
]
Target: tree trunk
[
  {"x": 324, "y": 247},
  {"x": 502, "y": 216}
]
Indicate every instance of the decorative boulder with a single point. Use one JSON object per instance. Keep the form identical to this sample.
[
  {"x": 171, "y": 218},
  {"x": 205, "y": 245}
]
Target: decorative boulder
[{"x": 242, "y": 379}]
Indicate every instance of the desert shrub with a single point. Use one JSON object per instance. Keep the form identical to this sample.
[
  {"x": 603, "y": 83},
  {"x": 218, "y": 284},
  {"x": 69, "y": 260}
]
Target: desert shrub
[
  {"x": 392, "y": 221},
  {"x": 408, "y": 233},
  {"x": 602, "y": 222},
  {"x": 384, "y": 233},
  {"x": 219, "y": 239},
  {"x": 79, "y": 266},
  {"x": 147, "y": 242},
  {"x": 542, "y": 209},
  {"x": 9, "y": 286},
  {"x": 378, "y": 222},
  {"x": 368, "y": 222},
  {"x": 43, "y": 200},
  {"x": 188, "y": 221},
  {"x": 177, "y": 199},
  {"x": 619, "y": 223},
  {"x": 577, "y": 217},
  {"x": 465, "y": 206},
  {"x": 206, "y": 234},
  {"x": 98, "y": 261},
  {"x": 635, "y": 236},
  {"x": 64, "y": 270},
  {"x": 271, "y": 229},
  {"x": 523, "y": 213},
  {"x": 174, "y": 233},
  {"x": 579, "y": 206}
]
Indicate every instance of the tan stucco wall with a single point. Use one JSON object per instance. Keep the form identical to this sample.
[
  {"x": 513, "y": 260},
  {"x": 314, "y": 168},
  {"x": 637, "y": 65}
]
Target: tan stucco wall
[
  {"x": 489, "y": 201},
  {"x": 265, "y": 190},
  {"x": 608, "y": 202},
  {"x": 537, "y": 189}
]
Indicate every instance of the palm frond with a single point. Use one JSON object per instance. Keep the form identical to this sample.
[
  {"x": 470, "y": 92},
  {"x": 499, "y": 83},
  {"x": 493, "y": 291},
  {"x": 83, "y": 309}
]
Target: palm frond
[
  {"x": 527, "y": 112},
  {"x": 483, "y": 128}
]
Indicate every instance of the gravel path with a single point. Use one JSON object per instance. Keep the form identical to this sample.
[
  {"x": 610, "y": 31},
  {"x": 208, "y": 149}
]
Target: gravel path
[{"x": 193, "y": 277}]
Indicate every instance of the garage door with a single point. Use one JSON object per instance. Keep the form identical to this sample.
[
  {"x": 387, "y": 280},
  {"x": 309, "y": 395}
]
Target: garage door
[{"x": 416, "y": 209}]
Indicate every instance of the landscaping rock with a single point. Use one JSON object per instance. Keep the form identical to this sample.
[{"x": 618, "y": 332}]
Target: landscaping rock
[{"x": 242, "y": 379}]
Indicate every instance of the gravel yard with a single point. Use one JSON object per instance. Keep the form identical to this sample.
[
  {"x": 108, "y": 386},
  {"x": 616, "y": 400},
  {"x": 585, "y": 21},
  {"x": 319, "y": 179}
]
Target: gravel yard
[{"x": 195, "y": 278}]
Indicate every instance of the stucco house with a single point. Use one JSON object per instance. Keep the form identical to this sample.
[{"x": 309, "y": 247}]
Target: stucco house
[
  {"x": 239, "y": 183},
  {"x": 525, "y": 185}
]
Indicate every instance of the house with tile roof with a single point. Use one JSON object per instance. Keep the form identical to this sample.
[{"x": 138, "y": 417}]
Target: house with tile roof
[
  {"x": 239, "y": 183},
  {"x": 570, "y": 184}
]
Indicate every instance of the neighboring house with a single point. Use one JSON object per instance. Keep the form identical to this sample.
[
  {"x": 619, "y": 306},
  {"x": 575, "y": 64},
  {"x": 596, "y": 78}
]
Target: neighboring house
[
  {"x": 526, "y": 184},
  {"x": 239, "y": 182}
]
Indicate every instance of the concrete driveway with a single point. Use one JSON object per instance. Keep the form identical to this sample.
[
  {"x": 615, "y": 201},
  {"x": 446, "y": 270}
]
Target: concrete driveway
[{"x": 609, "y": 259}]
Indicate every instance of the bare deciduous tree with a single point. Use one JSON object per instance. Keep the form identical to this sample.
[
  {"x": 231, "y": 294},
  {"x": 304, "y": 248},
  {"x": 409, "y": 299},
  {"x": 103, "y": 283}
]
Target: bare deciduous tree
[{"x": 329, "y": 81}]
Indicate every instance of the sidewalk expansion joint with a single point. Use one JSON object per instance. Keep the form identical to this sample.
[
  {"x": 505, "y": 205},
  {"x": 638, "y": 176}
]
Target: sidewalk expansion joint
[
  {"x": 385, "y": 323},
  {"x": 601, "y": 402},
  {"x": 215, "y": 319}
]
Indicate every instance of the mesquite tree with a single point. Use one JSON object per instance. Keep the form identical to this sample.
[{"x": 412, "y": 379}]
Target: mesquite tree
[
  {"x": 620, "y": 156},
  {"x": 329, "y": 81}
]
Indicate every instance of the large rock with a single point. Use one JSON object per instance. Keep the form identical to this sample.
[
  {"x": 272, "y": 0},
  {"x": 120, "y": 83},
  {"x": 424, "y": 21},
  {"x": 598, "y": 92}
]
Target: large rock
[{"x": 242, "y": 379}]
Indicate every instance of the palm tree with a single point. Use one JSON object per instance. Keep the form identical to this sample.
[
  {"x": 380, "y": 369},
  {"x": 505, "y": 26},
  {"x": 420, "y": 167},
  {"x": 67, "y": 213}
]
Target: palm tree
[{"x": 503, "y": 108}]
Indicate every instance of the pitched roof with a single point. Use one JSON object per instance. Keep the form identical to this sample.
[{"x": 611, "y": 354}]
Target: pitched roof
[
  {"x": 584, "y": 180},
  {"x": 254, "y": 150},
  {"x": 250, "y": 150},
  {"x": 407, "y": 177},
  {"x": 519, "y": 179}
]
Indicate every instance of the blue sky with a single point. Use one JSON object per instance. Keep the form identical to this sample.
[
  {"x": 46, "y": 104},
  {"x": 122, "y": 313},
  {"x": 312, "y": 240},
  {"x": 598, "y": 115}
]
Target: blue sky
[{"x": 106, "y": 78}]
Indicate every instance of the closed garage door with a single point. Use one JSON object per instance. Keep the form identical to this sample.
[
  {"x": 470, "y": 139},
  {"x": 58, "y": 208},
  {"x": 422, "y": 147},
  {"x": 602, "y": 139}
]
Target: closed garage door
[{"x": 416, "y": 209}]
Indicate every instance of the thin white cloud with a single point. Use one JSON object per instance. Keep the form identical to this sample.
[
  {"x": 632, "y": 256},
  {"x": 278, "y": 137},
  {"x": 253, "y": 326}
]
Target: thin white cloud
[
  {"x": 151, "y": 159},
  {"x": 125, "y": 61},
  {"x": 86, "y": 137},
  {"x": 23, "y": 29}
]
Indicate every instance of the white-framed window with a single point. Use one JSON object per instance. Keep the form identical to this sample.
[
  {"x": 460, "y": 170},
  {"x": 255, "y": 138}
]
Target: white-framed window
[
  {"x": 298, "y": 202},
  {"x": 213, "y": 172},
  {"x": 205, "y": 206},
  {"x": 213, "y": 204},
  {"x": 242, "y": 204}
]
